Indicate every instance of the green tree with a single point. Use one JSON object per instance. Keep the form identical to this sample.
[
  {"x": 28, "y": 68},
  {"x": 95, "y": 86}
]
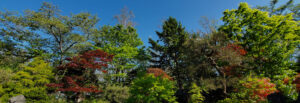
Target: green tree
[
  {"x": 17, "y": 44},
  {"x": 167, "y": 52},
  {"x": 45, "y": 30},
  {"x": 151, "y": 89},
  {"x": 123, "y": 42},
  {"x": 270, "y": 40},
  {"x": 30, "y": 81},
  {"x": 213, "y": 62}
]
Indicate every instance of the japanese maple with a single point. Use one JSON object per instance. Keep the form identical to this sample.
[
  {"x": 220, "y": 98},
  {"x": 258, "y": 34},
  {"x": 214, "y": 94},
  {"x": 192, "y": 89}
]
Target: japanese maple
[
  {"x": 78, "y": 74},
  {"x": 232, "y": 56}
]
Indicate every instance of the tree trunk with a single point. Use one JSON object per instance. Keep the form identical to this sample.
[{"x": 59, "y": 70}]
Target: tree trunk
[
  {"x": 79, "y": 98},
  {"x": 61, "y": 50},
  {"x": 224, "y": 84}
]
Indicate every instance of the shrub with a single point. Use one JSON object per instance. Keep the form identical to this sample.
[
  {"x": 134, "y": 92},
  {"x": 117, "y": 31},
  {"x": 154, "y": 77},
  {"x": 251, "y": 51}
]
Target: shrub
[
  {"x": 30, "y": 82},
  {"x": 151, "y": 89},
  {"x": 258, "y": 88},
  {"x": 251, "y": 90},
  {"x": 5, "y": 75},
  {"x": 116, "y": 94},
  {"x": 285, "y": 86}
]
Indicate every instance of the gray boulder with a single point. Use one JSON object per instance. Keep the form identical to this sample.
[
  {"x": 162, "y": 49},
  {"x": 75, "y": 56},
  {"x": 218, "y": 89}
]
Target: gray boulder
[{"x": 17, "y": 99}]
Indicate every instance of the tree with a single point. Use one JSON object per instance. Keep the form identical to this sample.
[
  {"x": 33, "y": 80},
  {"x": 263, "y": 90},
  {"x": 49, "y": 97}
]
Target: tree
[
  {"x": 125, "y": 18},
  {"x": 30, "y": 82},
  {"x": 214, "y": 63},
  {"x": 46, "y": 31},
  {"x": 167, "y": 52},
  {"x": 150, "y": 88},
  {"x": 288, "y": 7},
  {"x": 18, "y": 45},
  {"x": 78, "y": 75},
  {"x": 124, "y": 43},
  {"x": 270, "y": 40}
]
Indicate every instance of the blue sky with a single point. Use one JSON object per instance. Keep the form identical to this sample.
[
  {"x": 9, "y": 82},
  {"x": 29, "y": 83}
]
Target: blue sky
[{"x": 149, "y": 14}]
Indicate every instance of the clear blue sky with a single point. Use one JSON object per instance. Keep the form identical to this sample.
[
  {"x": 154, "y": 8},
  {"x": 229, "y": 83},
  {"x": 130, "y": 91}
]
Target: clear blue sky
[{"x": 149, "y": 14}]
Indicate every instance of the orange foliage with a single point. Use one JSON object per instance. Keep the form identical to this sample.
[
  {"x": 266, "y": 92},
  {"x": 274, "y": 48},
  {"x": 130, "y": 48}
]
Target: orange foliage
[
  {"x": 158, "y": 72},
  {"x": 259, "y": 88},
  {"x": 240, "y": 50}
]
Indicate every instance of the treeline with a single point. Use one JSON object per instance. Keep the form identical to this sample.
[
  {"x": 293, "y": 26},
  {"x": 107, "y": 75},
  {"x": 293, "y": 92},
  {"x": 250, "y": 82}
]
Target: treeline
[{"x": 251, "y": 57}]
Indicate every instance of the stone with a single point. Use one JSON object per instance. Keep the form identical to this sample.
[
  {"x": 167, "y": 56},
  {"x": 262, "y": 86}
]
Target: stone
[{"x": 17, "y": 99}]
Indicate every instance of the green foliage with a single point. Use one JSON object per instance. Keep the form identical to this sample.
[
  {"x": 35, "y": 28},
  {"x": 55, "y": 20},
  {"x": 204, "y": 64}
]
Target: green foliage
[
  {"x": 167, "y": 51},
  {"x": 196, "y": 96},
  {"x": 270, "y": 40},
  {"x": 116, "y": 94},
  {"x": 122, "y": 42},
  {"x": 46, "y": 31},
  {"x": 151, "y": 89},
  {"x": 284, "y": 84},
  {"x": 262, "y": 40},
  {"x": 30, "y": 82},
  {"x": 252, "y": 89},
  {"x": 257, "y": 89},
  {"x": 288, "y": 7},
  {"x": 6, "y": 75},
  {"x": 234, "y": 98},
  {"x": 96, "y": 101}
]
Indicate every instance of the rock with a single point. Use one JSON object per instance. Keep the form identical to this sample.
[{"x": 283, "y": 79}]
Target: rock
[{"x": 17, "y": 99}]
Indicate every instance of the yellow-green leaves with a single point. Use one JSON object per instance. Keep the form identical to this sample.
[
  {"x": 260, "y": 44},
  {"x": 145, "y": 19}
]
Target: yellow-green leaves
[
  {"x": 196, "y": 96},
  {"x": 270, "y": 40},
  {"x": 30, "y": 81},
  {"x": 151, "y": 89}
]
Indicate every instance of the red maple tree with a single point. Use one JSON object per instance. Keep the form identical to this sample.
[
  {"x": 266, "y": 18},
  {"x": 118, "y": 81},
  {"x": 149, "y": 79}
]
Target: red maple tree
[{"x": 79, "y": 73}]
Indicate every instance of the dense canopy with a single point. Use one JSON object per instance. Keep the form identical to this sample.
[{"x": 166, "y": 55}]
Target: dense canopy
[{"x": 251, "y": 57}]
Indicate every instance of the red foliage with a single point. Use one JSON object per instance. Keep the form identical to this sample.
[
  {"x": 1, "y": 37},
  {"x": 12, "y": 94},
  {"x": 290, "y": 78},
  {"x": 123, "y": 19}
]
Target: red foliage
[
  {"x": 55, "y": 85},
  {"x": 259, "y": 88},
  {"x": 229, "y": 70},
  {"x": 238, "y": 49},
  {"x": 158, "y": 72},
  {"x": 286, "y": 80},
  {"x": 88, "y": 60},
  {"x": 74, "y": 79},
  {"x": 297, "y": 82}
]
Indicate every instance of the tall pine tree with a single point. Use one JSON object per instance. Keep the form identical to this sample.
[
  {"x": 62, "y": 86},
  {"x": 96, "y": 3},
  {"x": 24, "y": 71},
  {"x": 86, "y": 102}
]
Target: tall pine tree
[{"x": 167, "y": 52}]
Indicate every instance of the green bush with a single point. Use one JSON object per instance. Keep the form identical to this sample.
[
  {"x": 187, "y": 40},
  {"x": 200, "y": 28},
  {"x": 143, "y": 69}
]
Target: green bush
[
  {"x": 196, "y": 96},
  {"x": 253, "y": 90},
  {"x": 116, "y": 94},
  {"x": 285, "y": 86},
  {"x": 96, "y": 101},
  {"x": 151, "y": 89},
  {"x": 30, "y": 82},
  {"x": 5, "y": 75}
]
